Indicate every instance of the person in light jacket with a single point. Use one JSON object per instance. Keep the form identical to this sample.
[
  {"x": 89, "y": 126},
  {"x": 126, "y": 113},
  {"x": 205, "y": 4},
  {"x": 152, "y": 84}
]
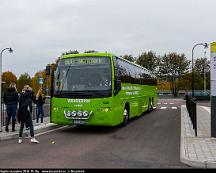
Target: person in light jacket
[{"x": 40, "y": 100}]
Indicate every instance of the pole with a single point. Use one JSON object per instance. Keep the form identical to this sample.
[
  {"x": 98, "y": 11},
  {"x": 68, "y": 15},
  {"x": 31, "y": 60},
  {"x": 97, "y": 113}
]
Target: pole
[
  {"x": 205, "y": 46},
  {"x": 213, "y": 89},
  {"x": 204, "y": 81},
  {"x": 1, "y": 123},
  {"x": 1, "y": 118},
  {"x": 193, "y": 73}
]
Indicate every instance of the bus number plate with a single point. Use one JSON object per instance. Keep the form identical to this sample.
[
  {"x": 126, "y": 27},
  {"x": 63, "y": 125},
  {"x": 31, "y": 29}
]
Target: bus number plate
[{"x": 79, "y": 122}]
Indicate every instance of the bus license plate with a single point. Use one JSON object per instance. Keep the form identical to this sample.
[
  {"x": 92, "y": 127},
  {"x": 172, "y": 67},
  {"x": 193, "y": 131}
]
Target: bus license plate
[{"x": 79, "y": 122}]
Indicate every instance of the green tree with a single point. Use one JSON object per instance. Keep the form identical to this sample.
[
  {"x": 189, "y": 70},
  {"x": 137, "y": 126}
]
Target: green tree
[
  {"x": 149, "y": 60},
  {"x": 128, "y": 57},
  {"x": 185, "y": 83},
  {"x": 201, "y": 65},
  {"x": 172, "y": 66},
  {"x": 24, "y": 79}
]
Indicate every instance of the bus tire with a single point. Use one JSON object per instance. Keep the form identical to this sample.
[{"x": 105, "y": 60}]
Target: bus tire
[
  {"x": 149, "y": 106},
  {"x": 125, "y": 117}
]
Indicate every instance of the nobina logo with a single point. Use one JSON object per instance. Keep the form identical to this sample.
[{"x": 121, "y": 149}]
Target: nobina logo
[{"x": 78, "y": 100}]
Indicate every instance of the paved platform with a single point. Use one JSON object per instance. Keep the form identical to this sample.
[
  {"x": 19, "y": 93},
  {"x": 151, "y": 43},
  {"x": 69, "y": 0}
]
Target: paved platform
[
  {"x": 199, "y": 151},
  {"x": 38, "y": 128}
]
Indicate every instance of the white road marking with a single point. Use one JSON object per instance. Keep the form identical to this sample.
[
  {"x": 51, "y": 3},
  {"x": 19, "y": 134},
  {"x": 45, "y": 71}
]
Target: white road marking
[
  {"x": 163, "y": 107},
  {"x": 171, "y": 103},
  {"x": 174, "y": 107},
  {"x": 165, "y": 103},
  {"x": 158, "y": 103},
  {"x": 42, "y": 133}
]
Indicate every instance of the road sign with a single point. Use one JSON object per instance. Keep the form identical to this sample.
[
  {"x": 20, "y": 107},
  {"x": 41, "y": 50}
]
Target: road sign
[{"x": 40, "y": 80}]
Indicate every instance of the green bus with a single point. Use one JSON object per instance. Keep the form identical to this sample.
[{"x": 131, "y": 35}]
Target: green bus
[{"x": 100, "y": 89}]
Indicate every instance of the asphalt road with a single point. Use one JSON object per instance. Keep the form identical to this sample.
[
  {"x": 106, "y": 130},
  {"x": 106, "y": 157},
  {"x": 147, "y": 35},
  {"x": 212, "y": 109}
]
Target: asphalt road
[{"x": 149, "y": 141}]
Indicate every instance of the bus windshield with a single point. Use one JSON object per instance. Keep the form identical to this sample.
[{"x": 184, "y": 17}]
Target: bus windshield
[{"x": 83, "y": 76}]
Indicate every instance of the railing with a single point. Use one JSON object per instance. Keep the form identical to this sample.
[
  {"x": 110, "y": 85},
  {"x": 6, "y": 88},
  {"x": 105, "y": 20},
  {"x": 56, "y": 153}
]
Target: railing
[
  {"x": 191, "y": 108},
  {"x": 3, "y": 115}
]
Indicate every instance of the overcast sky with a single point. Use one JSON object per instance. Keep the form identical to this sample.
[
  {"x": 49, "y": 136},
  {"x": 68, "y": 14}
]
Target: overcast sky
[{"x": 40, "y": 30}]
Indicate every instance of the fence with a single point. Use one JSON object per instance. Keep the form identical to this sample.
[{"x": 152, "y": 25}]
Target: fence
[
  {"x": 46, "y": 107},
  {"x": 191, "y": 108}
]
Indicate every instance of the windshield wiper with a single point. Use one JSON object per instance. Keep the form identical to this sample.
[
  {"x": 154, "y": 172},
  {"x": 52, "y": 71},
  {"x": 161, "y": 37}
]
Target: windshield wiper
[
  {"x": 92, "y": 91},
  {"x": 79, "y": 93}
]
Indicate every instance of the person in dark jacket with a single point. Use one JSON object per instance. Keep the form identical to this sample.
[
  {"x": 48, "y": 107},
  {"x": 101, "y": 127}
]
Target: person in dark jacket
[
  {"x": 40, "y": 100},
  {"x": 25, "y": 114},
  {"x": 30, "y": 100},
  {"x": 11, "y": 99}
]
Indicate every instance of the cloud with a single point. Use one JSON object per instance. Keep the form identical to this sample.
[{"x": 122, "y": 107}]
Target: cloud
[{"x": 39, "y": 31}]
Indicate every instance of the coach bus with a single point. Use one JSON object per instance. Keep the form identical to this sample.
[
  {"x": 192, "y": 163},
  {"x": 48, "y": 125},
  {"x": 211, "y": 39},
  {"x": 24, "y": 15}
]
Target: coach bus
[{"x": 100, "y": 89}]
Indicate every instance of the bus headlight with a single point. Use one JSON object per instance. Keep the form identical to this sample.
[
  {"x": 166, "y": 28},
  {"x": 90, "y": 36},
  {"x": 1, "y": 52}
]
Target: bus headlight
[
  {"x": 73, "y": 113},
  {"x": 85, "y": 113},
  {"x": 79, "y": 113},
  {"x": 67, "y": 113}
]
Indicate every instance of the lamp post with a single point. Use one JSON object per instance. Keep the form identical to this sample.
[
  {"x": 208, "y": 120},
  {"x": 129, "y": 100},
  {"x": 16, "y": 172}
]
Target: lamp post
[
  {"x": 10, "y": 51},
  {"x": 205, "y": 46}
]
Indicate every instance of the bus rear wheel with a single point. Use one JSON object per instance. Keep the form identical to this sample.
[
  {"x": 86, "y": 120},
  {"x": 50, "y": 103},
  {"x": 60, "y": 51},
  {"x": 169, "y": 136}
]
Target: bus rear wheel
[{"x": 125, "y": 117}]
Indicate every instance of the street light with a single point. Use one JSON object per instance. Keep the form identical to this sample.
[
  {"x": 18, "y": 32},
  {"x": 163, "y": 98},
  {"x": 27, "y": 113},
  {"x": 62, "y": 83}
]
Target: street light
[
  {"x": 10, "y": 50},
  {"x": 205, "y": 46}
]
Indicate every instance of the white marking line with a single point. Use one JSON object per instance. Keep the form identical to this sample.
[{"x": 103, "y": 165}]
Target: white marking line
[
  {"x": 154, "y": 107},
  {"x": 207, "y": 108},
  {"x": 163, "y": 107},
  {"x": 165, "y": 103},
  {"x": 171, "y": 103},
  {"x": 42, "y": 133},
  {"x": 158, "y": 103},
  {"x": 174, "y": 107}
]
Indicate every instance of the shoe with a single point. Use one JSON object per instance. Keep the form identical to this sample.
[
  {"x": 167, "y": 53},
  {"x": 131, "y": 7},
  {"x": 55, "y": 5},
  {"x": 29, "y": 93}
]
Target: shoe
[
  {"x": 6, "y": 129},
  {"x": 33, "y": 140},
  {"x": 27, "y": 128},
  {"x": 13, "y": 130},
  {"x": 20, "y": 140}
]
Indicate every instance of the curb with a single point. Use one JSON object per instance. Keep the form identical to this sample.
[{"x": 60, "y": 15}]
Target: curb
[
  {"x": 37, "y": 129},
  {"x": 183, "y": 158}
]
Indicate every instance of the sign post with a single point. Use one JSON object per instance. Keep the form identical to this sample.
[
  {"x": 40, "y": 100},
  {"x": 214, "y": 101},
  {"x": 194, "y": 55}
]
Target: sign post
[
  {"x": 40, "y": 81},
  {"x": 213, "y": 89}
]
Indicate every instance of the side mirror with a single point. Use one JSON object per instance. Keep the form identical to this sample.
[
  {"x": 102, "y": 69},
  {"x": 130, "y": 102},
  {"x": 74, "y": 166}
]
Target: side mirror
[{"x": 117, "y": 86}]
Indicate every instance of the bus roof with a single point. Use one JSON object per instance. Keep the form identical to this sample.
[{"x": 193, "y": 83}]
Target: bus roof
[{"x": 85, "y": 54}]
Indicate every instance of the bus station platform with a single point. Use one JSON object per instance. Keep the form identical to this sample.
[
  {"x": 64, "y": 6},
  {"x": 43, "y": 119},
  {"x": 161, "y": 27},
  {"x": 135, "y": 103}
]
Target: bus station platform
[
  {"x": 38, "y": 128},
  {"x": 197, "y": 151}
]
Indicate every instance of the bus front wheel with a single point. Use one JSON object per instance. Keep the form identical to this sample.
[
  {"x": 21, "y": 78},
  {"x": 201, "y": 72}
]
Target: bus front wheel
[{"x": 150, "y": 106}]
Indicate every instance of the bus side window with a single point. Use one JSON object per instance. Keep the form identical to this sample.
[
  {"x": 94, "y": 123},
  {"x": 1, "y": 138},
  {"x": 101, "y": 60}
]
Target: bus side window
[{"x": 117, "y": 74}]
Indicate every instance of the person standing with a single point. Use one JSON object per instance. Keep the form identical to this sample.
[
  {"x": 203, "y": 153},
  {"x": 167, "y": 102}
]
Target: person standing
[
  {"x": 31, "y": 99},
  {"x": 11, "y": 99},
  {"x": 40, "y": 100},
  {"x": 25, "y": 114}
]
